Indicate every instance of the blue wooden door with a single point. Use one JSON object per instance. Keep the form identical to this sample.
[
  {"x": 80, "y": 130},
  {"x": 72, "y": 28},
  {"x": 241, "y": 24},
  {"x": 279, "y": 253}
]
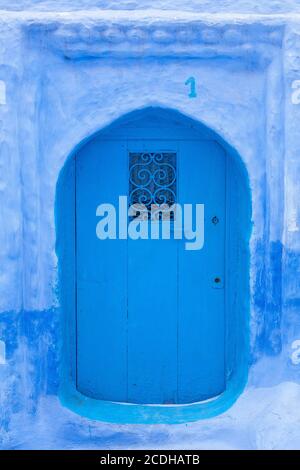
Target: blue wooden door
[{"x": 150, "y": 313}]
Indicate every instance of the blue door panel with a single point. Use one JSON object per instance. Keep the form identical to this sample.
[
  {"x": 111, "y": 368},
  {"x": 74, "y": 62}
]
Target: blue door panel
[
  {"x": 201, "y": 368},
  {"x": 150, "y": 314},
  {"x": 152, "y": 311},
  {"x": 152, "y": 326},
  {"x": 101, "y": 275}
]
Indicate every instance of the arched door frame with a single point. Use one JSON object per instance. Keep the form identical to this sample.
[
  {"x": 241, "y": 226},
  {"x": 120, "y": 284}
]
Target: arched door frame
[{"x": 237, "y": 317}]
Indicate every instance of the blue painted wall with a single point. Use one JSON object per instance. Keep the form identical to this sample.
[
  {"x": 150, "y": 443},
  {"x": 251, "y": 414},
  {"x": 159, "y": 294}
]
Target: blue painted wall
[{"x": 66, "y": 78}]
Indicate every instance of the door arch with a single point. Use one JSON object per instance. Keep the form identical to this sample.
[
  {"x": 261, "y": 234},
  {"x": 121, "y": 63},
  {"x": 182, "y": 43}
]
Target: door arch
[{"x": 152, "y": 322}]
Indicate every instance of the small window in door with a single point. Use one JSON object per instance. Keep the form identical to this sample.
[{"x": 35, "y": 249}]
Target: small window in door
[{"x": 152, "y": 183}]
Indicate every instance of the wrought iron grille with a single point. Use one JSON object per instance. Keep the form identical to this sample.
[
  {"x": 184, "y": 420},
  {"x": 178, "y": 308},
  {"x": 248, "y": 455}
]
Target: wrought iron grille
[{"x": 152, "y": 181}]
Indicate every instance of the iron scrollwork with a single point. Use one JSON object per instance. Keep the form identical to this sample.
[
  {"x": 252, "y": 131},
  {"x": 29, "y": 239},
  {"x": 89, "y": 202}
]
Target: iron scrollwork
[{"x": 152, "y": 179}]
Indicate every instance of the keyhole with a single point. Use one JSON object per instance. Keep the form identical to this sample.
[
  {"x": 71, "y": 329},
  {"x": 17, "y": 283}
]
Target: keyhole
[
  {"x": 217, "y": 280},
  {"x": 215, "y": 220}
]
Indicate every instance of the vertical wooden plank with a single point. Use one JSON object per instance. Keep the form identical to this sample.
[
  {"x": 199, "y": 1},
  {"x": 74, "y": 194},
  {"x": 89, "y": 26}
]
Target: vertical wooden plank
[
  {"x": 152, "y": 312},
  {"x": 101, "y": 177},
  {"x": 201, "y": 368}
]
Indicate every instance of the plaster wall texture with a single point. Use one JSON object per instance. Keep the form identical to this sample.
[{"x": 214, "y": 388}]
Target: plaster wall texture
[{"x": 69, "y": 74}]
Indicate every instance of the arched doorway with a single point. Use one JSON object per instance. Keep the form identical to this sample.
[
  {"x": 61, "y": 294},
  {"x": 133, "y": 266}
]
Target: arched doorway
[{"x": 153, "y": 321}]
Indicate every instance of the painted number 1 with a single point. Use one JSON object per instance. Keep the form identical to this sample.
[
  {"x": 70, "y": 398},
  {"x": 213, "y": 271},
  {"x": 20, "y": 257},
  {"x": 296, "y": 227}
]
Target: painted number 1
[{"x": 192, "y": 82}]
